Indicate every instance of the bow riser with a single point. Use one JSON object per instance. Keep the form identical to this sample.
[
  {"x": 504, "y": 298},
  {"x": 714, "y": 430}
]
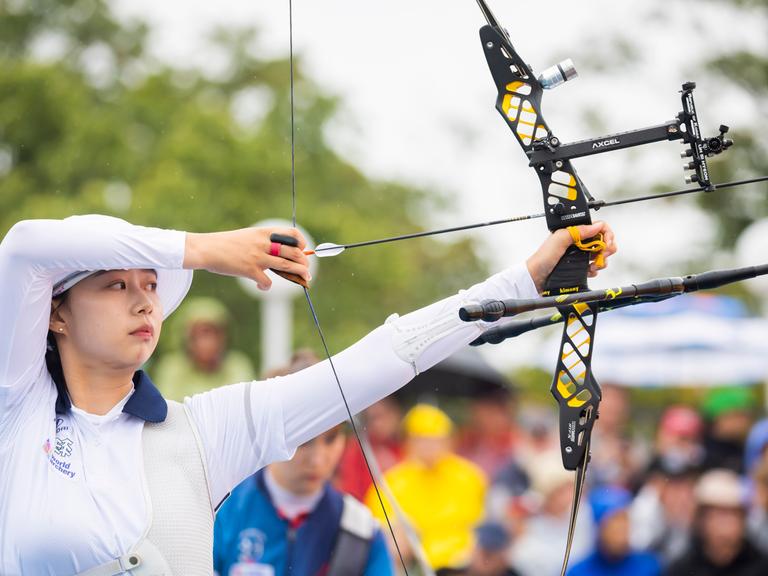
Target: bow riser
[{"x": 566, "y": 204}]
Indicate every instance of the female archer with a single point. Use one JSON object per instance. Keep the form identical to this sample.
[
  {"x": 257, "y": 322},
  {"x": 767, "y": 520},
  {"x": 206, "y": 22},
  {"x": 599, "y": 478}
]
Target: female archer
[{"x": 99, "y": 475}]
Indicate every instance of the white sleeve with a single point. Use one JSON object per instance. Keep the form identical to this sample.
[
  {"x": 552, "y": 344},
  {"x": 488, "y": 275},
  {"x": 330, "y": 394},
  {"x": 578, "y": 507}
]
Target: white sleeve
[
  {"x": 248, "y": 425},
  {"x": 32, "y": 254}
]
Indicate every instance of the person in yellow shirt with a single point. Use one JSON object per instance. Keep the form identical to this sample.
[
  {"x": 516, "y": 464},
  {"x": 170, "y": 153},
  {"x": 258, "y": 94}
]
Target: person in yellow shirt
[{"x": 442, "y": 494}]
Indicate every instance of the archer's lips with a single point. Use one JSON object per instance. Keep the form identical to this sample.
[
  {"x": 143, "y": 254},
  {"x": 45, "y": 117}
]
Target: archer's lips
[{"x": 145, "y": 332}]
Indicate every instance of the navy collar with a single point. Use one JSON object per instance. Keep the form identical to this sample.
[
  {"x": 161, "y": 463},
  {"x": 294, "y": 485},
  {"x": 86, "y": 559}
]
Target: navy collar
[{"x": 146, "y": 402}]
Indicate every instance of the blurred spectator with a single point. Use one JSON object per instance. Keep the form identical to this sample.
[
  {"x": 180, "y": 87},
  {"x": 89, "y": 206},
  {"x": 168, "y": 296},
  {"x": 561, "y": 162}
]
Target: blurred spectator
[
  {"x": 663, "y": 511},
  {"x": 612, "y": 555},
  {"x": 533, "y": 552},
  {"x": 441, "y": 493},
  {"x": 719, "y": 545},
  {"x": 755, "y": 451},
  {"x": 615, "y": 459},
  {"x": 510, "y": 500},
  {"x": 382, "y": 424},
  {"x": 758, "y": 514},
  {"x": 729, "y": 413},
  {"x": 679, "y": 438},
  {"x": 489, "y": 437},
  {"x": 288, "y": 519},
  {"x": 205, "y": 361},
  {"x": 489, "y": 558},
  {"x": 756, "y": 466},
  {"x": 538, "y": 431}
]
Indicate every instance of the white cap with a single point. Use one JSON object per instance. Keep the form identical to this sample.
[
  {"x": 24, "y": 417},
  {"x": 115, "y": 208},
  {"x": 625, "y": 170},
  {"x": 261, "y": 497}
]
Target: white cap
[
  {"x": 721, "y": 488},
  {"x": 547, "y": 473}
]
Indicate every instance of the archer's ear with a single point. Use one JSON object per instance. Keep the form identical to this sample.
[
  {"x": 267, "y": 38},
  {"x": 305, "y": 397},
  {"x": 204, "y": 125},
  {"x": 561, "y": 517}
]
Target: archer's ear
[{"x": 56, "y": 323}]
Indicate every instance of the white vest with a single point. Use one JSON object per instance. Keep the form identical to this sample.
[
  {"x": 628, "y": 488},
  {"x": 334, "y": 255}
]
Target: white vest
[{"x": 179, "y": 537}]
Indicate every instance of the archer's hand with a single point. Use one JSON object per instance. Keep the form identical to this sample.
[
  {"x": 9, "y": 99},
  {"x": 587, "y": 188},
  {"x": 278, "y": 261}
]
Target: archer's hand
[
  {"x": 544, "y": 260},
  {"x": 245, "y": 252}
]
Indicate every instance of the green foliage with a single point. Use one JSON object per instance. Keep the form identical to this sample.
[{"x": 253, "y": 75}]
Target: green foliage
[
  {"x": 737, "y": 211},
  {"x": 163, "y": 147},
  {"x": 748, "y": 70}
]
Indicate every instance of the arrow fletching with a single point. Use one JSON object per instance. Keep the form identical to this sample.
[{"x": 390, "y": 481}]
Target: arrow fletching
[{"x": 325, "y": 250}]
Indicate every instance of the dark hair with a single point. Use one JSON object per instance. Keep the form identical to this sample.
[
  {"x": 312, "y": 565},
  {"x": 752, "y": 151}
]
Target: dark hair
[{"x": 52, "y": 355}]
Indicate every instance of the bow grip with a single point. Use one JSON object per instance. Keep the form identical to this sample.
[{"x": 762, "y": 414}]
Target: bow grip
[{"x": 570, "y": 273}]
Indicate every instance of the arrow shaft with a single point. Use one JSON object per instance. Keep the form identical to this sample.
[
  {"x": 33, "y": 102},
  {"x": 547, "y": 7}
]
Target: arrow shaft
[{"x": 437, "y": 232}]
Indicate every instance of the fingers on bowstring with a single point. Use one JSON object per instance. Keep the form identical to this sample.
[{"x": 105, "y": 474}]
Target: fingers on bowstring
[
  {"x": 263, "y": 282},
  {"x": 294, "y": 233},
  {"x": 294, "y": 254},
  {"x": 286, "y": 265}
]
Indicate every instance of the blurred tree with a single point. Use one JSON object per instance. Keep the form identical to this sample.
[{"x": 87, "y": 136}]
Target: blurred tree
[
  {"x": 738, "y": 67},
  {"x": 90, "y": 123},
  {"x": 748, "y": 70}
]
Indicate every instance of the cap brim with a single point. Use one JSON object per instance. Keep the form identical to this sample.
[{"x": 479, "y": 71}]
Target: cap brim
[{"x": 172, "y": 287}]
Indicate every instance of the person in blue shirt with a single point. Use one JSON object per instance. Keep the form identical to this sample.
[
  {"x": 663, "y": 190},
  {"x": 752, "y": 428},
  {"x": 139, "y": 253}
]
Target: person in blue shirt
[
  {"x": 612, "y": 555},
  {"x": 287, "y": 519}
]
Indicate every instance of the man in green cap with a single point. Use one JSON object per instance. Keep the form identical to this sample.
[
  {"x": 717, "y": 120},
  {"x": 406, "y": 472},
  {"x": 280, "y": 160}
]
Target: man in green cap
[
  {"x": 729, "y": 413},
  {"x": 205, "y": 361}
]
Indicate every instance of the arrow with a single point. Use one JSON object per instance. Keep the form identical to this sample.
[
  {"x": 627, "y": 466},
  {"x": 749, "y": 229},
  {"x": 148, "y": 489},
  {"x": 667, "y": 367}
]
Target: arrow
[{"x": 328, "y": 249}]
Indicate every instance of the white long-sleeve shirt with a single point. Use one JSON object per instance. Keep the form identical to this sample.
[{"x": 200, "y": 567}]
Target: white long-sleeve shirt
[{"x": 72, "y": 489}]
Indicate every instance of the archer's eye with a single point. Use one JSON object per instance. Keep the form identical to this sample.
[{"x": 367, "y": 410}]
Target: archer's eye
[
  {"x": 119, "y": 284},
  {"x": 152, "y": 286}
]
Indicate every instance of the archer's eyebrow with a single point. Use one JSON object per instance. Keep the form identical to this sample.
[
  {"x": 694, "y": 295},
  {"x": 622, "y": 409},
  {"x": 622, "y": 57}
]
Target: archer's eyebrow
[{"x": 102, "y": 272}]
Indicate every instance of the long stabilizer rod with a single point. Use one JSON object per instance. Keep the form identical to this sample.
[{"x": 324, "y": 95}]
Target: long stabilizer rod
[{"x": 492, "y": 310}]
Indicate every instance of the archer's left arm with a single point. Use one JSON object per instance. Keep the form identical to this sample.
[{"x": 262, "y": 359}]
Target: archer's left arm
[
  {"x": 248, "y": 425},
  {"x": 390, "y": 356}
]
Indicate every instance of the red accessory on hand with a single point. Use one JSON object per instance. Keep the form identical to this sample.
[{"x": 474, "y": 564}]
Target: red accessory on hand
[{"x": 274, "y": 248}]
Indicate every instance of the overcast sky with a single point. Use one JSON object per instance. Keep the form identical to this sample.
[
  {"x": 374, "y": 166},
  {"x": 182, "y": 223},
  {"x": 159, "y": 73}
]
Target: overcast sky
[{"x": 418, "y": 99}]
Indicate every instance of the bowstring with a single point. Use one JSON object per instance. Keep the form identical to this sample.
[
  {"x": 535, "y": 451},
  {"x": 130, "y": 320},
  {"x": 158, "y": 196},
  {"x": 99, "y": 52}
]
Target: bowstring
[{"x": 312, "y": 307}]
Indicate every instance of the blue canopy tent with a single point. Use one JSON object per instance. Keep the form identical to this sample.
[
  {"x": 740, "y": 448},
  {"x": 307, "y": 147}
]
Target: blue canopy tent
[{"x": 692, "y": 340}]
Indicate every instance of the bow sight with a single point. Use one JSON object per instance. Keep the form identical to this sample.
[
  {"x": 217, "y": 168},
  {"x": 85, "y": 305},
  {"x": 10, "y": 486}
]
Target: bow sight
[{"x": 548, "y": 150}]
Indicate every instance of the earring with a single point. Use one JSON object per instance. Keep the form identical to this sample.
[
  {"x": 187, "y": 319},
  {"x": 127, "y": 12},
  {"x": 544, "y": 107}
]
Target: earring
[{"x": 61, "y": 329}]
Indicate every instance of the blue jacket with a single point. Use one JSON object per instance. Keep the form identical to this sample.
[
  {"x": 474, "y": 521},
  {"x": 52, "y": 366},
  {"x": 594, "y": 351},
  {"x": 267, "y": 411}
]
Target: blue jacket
[
  {"x": 250, "y": 536},
  {"x": 634, "y": 564}
]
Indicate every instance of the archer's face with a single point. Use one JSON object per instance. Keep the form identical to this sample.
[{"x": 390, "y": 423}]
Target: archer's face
[
  {"x": 313, "y": 464},
  {"x": 110, "y": 320}
]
